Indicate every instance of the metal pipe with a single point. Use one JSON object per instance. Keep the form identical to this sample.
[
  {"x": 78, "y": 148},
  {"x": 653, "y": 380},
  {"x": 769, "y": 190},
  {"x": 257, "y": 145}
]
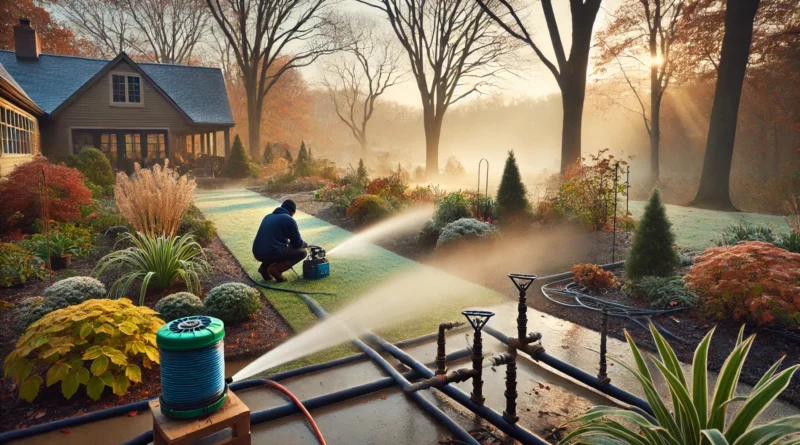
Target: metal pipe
[
  {"x": 439, "y": 380},
  {"x": 602, "y": 375},
  {"x": 462, "y": 434},
  {"x": 441, "y": 343},
  {"x": 580, "y": 375},
  {"x": 122, "y": 410},
  {"x": 477, "y": 366}
]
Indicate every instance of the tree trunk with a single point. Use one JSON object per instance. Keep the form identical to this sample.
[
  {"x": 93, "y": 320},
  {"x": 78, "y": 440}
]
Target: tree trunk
[
  {"x": 655, "y": 138},
  {"x": 433, "y": 131},
  {"x": 363, "y": 142},
  {"x": 253, "y": 119},
  {"x": 572, "y": 102},
  {"x": 714, "y": 191}
]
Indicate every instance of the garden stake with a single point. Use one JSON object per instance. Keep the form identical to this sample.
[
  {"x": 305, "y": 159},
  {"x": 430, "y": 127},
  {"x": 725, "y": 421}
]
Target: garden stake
[
  {"x": 46, "y": 221},
  {"x": 627, "y": 199},
  {"x": 479, "y": 188},
  {"x": 602, "y": 376},
  {"x": 614, "y": 236}
]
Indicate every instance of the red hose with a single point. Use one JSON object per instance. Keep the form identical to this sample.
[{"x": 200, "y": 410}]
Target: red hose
[{"x": 299, "y": 404}]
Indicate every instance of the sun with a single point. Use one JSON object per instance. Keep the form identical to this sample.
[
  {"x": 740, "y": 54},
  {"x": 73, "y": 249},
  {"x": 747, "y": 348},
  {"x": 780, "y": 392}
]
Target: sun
[{"x": 657, "y": 60}]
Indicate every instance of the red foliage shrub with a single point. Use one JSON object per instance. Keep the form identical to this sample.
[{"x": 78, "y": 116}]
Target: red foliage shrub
[
  {"x": 592, "y": 275},
  {"x": 393, "y": 186},
  {"x": 22, "y": 203},
  {"x": 367, "y": 209},
  {"x": 750, "y": 281}
]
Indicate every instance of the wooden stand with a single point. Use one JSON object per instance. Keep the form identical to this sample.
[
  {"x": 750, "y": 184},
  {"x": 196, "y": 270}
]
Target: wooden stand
[{"x": 234, "y": 415}]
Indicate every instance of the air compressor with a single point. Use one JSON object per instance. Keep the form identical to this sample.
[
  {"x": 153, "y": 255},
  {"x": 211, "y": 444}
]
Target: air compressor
[{"x": 316, "y": 266}]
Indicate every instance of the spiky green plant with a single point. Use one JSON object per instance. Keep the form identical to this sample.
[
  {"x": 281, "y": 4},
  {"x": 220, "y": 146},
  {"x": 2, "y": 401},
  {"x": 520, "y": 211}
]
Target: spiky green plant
[
  {"x": 695, "y": 420},
  {"x": 157, "y": 261}
]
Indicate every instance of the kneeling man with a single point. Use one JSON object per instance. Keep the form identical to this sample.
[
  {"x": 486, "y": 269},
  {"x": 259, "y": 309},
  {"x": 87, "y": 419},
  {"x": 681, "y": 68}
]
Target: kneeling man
[{"x": 278, "y": 244}]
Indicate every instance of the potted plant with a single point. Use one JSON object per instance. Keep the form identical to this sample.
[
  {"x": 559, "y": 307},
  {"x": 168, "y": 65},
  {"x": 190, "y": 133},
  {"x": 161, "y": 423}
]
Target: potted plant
[{"x": 61, "y": 250}]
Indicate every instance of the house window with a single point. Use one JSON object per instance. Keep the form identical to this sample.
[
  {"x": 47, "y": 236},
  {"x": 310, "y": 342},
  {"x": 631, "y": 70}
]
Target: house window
[
  {"x": 126, "y": 89},
  {"x": 156, "y": 146},
  {"x": 16, "y": 132},
  {"x": 108, "y": 145},
  {"x": 133, "y": 146}
]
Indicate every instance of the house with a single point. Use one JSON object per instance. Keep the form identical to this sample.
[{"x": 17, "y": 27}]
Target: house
[{"x": 134, "y": 112}]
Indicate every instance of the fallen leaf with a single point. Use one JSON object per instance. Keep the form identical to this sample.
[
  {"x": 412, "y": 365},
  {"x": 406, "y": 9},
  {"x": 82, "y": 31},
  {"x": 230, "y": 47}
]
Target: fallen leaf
[
  {"x": 564, "y": 347},
  {"x": 133, "y": 413},
  {"x": 383, "y": 397},
  {"x": 65, "y": 431},
  {"x": 40, "y": 414}
]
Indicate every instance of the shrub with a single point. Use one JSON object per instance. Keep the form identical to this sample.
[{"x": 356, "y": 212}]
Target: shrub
[
  {"x": 253, "y": 170},
  {"x": 193, "y": 224},
  {"x": 392, "y": 186},
  {"x": 232, "y": 302},
  {"x": 454, "y": 167},
  {"x": 154, "y": 200},
  {"x": 751, "y": 281},
  {"x": 30, "y": 310},
  {"x": 429, "y": 234},
  {"x": 696, "y": 418},
  {"x": 593, "y": 276},
  {"x": 662, "y": 291},
  {"x": 652, "y": 252},
  {"x": 303, "y": 165},
  {"x": 276, "y": 167},
  {"x": 452, "y": 208},
  {"x": 94, "y": 165},
  {"x": 512, "y": 196},
  {"x": 745, "y": 232},
  {"x": 420, "y": 194},
  {"x": 179, "y": 305},
  {"x": 109, "y": 220},
  {"x": 464, "y": 229},
  {"x": 74, "y": 290},
  {"x": 306, "y": 184},
  {"x": 58, "y": 246},
  {"x": 156, "y": 261},
  {"x": 269, "y": 156},
  {"x": 22, "y": 205},
  {"x": 114, "y": 335},
  {"x": 367, "y": 209},
  {"x": 236, "y": 166},
  {"x": 340, "y": 197},
  {"x": 790, "y": 242},
  {"x": 18, "y": 265},
  {"x": 362, "y": 176}
]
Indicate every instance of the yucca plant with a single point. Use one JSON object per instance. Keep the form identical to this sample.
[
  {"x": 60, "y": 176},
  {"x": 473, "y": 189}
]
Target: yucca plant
[
  {"x": 695, "y": 420},
  {"x": 157, "y": 261}
]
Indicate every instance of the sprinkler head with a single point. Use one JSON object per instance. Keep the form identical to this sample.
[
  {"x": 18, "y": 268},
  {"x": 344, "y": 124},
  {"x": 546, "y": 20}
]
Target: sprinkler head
[
  {"x": 522, "y": 281},
  {"x": 478, "y": 319}
]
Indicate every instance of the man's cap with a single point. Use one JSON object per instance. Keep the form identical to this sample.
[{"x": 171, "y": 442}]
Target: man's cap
[{"x": 289, "y": 205}]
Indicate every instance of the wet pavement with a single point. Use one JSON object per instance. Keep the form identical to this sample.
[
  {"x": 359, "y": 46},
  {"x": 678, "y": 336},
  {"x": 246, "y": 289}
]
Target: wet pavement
[{"x": 546, "y": 399}]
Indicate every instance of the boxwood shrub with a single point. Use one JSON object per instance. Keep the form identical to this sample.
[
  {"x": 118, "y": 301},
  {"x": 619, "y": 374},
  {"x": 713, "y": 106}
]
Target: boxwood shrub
[
  {"x": 232, "y": 302},
  {"x": 179, "y": 305}
]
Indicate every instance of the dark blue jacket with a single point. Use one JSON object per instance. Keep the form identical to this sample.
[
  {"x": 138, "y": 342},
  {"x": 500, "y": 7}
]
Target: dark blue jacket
[{"x": 277, "y": 230}]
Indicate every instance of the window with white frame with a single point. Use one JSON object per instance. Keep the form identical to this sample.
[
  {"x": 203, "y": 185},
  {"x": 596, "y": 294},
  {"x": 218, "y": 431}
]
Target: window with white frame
[
  {"x": 126, "y": 89},
  {"x": 16, "y": 132}
]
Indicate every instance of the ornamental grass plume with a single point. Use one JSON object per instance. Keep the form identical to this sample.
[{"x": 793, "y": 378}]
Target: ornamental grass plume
[{"x": 154, "y": 200}]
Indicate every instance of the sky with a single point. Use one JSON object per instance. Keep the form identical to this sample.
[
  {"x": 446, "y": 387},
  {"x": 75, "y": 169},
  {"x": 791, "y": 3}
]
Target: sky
[{"x": 533, "y": 80}]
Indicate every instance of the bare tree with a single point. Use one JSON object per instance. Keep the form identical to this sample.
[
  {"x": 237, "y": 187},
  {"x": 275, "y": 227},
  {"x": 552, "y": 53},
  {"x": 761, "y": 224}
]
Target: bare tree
[
  {"x": 261, "y": 33},
  {"x": 356, "y": 78},
  {"x": 105, "y": 23},
  {"x": 169, "y": 29},
  {"x": 570, "y": 73},
  {"x": 455, "y": 50},
  {"x": 642, "y": 36}
]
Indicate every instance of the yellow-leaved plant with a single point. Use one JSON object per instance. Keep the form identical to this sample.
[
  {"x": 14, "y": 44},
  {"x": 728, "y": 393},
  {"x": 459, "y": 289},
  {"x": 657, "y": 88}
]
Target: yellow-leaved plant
[
  {"x": 97, "y": 343},
  {"x": 154, "y": 199}
]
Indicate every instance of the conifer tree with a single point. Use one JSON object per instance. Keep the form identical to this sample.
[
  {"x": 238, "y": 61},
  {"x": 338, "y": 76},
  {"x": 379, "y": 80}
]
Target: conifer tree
[
  {"x": 512, "y": 196},
  {"x": 361, "y": 174},
  {"x": 652, "y": 253},
  {"x": 269, "y": 156},
  {"x": 302, "y": 167},
  {"x": 237, "y": 165},
  {"x": 288, "y": 155}
]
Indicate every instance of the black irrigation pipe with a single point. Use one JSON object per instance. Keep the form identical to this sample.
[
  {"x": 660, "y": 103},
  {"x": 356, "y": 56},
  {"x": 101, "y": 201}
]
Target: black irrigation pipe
[
  {"x": 613, "y": 309},
  {"x": 462, "y": 434},
  {"x": 322, "y": 401},
  {"x": 580, "y": 375},
  {"x": 143, "y": 405},
  {"x": 283, "y": 289}
]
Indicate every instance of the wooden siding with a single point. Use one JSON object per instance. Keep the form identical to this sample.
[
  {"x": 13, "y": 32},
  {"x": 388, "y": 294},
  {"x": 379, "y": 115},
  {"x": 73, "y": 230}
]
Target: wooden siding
[
  {"x": 8, "y": 162},
  {"x": 93, "y": 110}
]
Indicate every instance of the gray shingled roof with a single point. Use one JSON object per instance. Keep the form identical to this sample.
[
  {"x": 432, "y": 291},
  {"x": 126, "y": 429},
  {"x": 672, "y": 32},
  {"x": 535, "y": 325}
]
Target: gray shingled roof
[
  {"x": 7, "y": 77},
  {"x": 49, "y": 81}
]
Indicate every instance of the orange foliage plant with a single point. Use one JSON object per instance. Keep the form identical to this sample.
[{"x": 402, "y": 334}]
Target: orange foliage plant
[
  {"x": 592, "y": 275},
  {"x": 751, "y": 281}
]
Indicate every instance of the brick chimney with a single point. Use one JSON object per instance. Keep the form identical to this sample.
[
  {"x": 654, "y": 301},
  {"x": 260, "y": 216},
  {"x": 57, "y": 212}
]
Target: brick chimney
[{"x": 26, "y": 40}]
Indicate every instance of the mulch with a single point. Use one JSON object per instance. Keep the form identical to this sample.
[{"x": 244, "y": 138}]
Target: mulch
[
  {"x": 688, "y": 325},
  {"x": 263, "y": 331}
]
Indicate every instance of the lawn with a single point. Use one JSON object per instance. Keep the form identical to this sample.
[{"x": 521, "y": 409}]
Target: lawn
[
  {"x": 699, "y": 229},
  {"x": 237, "y": 214}
]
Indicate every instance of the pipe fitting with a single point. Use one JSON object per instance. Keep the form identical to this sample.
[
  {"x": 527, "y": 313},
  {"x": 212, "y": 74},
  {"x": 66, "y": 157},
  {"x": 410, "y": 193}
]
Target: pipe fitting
[
  {"x": 437, "y": 381},
  {"x": 441, "y": 351},
  {"x": 500, "y": 359}
]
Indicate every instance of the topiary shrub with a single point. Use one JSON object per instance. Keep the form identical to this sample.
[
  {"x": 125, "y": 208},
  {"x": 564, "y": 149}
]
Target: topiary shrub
[
  {"x": 751, "y": 281},
  {"x": 367, "y": 209},
  {"x": 464, "y": 229},
  {"x": 236, "y": 166},
  {"x": 97, "y": 343},
  {"x": 662, "y": 291},
  {"x": 512, "y": 196},
  {"x": 74, "y": 290},
  {"x": 451, "y": 208},
  {"x": 94, "y": 165},
  {"x": 232, "y": 302},
  {"x": 22, "y": 196},
  {"x": 593, "y": 276},
  {"x": 652, "y": 253},
  {"x": 179, "y": 305}
]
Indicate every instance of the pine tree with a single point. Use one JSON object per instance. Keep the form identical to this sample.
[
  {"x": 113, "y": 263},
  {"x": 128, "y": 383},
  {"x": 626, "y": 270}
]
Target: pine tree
[
  {"x": 269, "y": 156},
  {"x": 302, "y": 167},
  {"x": 512, "y": 196},
  {"x": 652, "y": 252},
  {"x": 361, "y": 174},
  {"x": 288, "y": 155},
  {"x": 237, "y": 166}
]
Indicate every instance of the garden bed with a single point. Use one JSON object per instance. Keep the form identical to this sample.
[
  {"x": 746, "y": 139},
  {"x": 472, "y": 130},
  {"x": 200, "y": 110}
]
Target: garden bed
[{"x": 250, "y": 338}]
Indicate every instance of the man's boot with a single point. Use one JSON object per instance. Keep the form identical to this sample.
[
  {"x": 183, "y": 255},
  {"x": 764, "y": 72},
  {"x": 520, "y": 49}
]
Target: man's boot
[
  {"x": 264, "y": 271},
  {"x": 276, "y": 270}
]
